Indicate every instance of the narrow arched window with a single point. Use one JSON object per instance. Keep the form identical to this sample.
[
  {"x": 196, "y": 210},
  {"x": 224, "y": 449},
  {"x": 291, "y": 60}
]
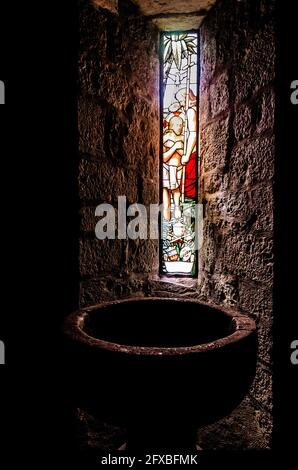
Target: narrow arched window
[{"x": 179, "y": 152}]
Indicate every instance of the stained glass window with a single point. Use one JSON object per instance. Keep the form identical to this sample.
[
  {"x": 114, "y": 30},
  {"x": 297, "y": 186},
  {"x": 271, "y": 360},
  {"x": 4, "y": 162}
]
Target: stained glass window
[{"x": 179, "y": 154}]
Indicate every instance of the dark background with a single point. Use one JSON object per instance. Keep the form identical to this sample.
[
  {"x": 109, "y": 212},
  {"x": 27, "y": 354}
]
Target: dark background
[
  {"x": 285, "y": 319},
  {"x": 39, "y": 231}
]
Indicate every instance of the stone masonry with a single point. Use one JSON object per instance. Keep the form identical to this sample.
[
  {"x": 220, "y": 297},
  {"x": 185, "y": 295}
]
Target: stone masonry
[
  {"x": 237, "y": 170},
  {"x": 118, "y": 114}
]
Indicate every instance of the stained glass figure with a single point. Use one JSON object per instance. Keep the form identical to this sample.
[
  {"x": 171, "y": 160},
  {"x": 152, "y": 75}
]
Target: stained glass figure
[{"x": 179, "y": 152}]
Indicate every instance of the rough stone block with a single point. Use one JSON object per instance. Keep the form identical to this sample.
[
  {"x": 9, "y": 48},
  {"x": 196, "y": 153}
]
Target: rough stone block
[
  {"x": 256, "y": 299},
  {"x": 219, "y": 94},
  {"x": 150, "y": 192},
  {"x": 265, "y": 425},
  {"x": 243, "y": 123},
  {"x": 143, "y": 256},
  {"x": 266, "y": 107},
  {"x": 204, "y": 106},
  {"x": 257, "y": 67},
  {"x": 238, "y": 431},
  {"x": 103, "y": 182},
  {"x": 92, "y": 47},
  {"x": 111, "y": 5},
  {"x": 167, "y": 287},
  {"x": 87, "y": 219},
  {"x": 252, "y": 163},
  {"x": 207, "y": 54},
  {"x": 141, "y": 143},
  {"x": 262, "y": 203},
  {"x": 205, "y": 284},
  {"x": 113, "y": 82},
  {"x": 214, "y": 142},
  {"x": 230, "y": 31},
  {"x": 100, "y": 256},
  {"x": 214, "y": 181},
  {"x": 261, "y": 167},
  {"x": 237, "y": 206},
  {"x": 90, "y": 67},
  {"x": 211, "y": 243},
  {"x": 91, "y": 124},
  {"x": 110, "y": 256},
  {"x": 88, "y": 258},
  {"x": 93, "y": 291},
  {"x": 225, "y": 290},
  {"x": 246, "y": 256},
  {"x": 261, "y": 389},
  {"x": 265, "y": 334},
  {"x": 229, "y": 207}
]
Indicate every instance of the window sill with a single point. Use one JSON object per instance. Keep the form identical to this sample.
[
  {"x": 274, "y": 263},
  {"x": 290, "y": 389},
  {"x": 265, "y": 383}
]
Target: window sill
[{"x": 179, "y": 281}]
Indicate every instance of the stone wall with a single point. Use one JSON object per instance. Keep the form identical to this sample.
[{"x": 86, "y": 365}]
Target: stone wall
[
  {"x": 119, "y": 155},
  {"x": 237, "y": 169},
  {"x": 118, "y": 113}
]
